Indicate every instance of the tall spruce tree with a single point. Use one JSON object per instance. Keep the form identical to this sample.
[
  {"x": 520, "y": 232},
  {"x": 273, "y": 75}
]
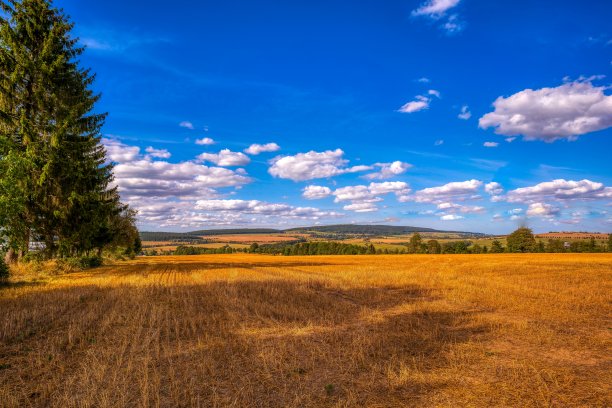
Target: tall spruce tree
[{"x": 54, "y": 182}]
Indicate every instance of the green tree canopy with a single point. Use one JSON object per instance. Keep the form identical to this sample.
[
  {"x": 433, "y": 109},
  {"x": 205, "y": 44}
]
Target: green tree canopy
[
  {"x": 54, "y": 176},
  {"x": 521, "y": 240}
]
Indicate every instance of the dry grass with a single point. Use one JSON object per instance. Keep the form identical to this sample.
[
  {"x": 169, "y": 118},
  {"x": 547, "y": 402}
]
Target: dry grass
[{"x": 249, "y": 330}]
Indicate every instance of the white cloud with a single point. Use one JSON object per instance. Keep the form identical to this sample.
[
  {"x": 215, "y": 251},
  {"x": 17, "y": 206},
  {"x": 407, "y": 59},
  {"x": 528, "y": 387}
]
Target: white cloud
[
  {"x": 361, "y": 207},
  {"x": 465, "y": 113},
  {"x": 424, "y": 80},
  {"x": 396, "y": 187},
  {"x": 138, "y": 176},
  {"x": 187, "y": 125},
  {"x": 119, "y": 152},
  {"x": 451, "y": 217},
  {"x": 316, "y": 192},
  {"x": 549, "y": 114},
  {"x": 257, "y": 207},
  {"x": 452, "y": 208},
  {"x": 494, "y": 188},
  {"x": 435, "y": 8},
  {"x": 456, "y": 190},
  {"x": 433, "y": 92},
  {"x": 542, "y": 210},
  {"x": 146, "y": 178},
  {"x": 256, "y": 149},
  {"x": 361, "y": 195},
  {"x": 453, "y": 24},
  {"x": 226, "y": 158},
  {"x": 490, "y": 144},
  {"x": 561, "y": 189},
  {"x": 447, "y": 206},
  {"x": 312, "y": 165},
  {"x": 388, "y": 170},
  {"x": 421, "y": 102},
  {"x": 510, "y": 139},
  {"x": 158, "y": 153},
  {"x": 439, "y": 142},
  {"x": 205, "y": 141}
]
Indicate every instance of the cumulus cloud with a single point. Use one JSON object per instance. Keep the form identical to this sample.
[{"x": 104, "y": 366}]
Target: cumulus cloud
[
  {"x": 187, "y": 125},
  {"x": 257, "y": 207},
  {"x": 494, "y": 188},
  {"x": 312, "y": 165},
  {"x": 316, "y": 192},
  {"x": 465, "y": 113},
  {"x": 158, "y": 153},
  {"x": 361, "y": 207},
  {"x": 490, "y": 144},
  {"x": 226, "y": 158},
  {"x": 118, "y": 152},
  {"x": 452, "y": 208},
  {"x": 542, "y": 210},
  {"x": 549, "y": 114},
  {"x": 457, "y": 190},
  {"x": 361, "y": 195},
  {"x": 256, "y": 149},
  {"x": 388, "y": 170},
  {"x": 146, "y": 178},
  {"x": 205, "y": 141},
  {"x": 561, "y": 189}
]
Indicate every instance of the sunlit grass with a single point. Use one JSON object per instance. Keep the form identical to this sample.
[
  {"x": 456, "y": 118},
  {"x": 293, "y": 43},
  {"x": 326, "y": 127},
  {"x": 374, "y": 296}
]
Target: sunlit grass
[{"x": 253, "y": 330}]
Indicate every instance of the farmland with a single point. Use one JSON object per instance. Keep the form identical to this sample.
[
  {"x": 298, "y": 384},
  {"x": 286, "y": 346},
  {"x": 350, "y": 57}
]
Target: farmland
[{"x": 256, "y": 330}]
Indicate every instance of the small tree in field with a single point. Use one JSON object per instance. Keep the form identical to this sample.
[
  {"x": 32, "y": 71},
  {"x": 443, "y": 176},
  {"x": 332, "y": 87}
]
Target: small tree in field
[
  {"x": 521, "y": 240},
  {"x": 433, "y": 247},
  {"x": 496, "y": 247},
  {"x": 610, "y": 243}
]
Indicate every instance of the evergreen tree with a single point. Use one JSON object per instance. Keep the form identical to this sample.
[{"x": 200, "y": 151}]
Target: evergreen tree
[
  {"x": 54, "y": 180},
  {"x": 521, "y": 240}
]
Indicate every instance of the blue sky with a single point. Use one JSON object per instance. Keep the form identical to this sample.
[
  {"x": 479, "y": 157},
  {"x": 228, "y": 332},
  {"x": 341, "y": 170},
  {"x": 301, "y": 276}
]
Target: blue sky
[{"x": 452, "y": 114}]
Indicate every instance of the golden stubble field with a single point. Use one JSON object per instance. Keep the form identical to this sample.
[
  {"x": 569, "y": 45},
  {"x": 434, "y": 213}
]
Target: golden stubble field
[{"x": 265, "y": 331}]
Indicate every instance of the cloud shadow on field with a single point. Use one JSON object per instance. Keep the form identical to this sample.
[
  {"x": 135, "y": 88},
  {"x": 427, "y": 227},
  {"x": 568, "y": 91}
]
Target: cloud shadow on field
[{"x": 276, "y": 342}]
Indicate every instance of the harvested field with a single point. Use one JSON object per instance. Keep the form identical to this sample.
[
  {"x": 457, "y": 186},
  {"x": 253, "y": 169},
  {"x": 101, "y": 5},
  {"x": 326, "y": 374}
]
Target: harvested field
[
  {"x": 251, "y": 238},
  {"x": 254, "y": 330}
]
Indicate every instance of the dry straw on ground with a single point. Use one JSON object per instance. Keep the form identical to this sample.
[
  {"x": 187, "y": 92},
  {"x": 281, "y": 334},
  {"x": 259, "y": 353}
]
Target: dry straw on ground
[{"x": 249, "y": 330}]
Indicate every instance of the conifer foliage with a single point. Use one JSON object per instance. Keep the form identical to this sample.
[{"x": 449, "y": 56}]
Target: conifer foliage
[{"x": 55, "y": 182}]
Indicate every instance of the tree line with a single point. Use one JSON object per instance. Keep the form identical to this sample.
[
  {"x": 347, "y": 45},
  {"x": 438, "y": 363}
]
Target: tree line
[
  {"x": 55, "y": 180},
  {"x": 520, "y": 241}
]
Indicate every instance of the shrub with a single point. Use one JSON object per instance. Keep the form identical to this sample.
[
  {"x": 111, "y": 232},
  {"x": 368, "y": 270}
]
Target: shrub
[
  {"x": 4, "y": 269},
  {"x": 85, "y": 262}
]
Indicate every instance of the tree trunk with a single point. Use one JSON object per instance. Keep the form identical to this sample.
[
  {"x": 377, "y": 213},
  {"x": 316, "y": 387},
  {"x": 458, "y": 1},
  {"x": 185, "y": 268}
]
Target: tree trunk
[{"x": 10, "y": 257}]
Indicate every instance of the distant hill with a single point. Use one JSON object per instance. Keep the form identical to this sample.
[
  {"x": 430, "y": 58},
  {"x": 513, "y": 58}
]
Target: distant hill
[
  {"x": 168, "y": 236},
  {"x": 236, "y": 231},
  {"x": 345, "y": 229},
  {"x": 362, "y": 229},
  {"x": 373, "y": 230}
]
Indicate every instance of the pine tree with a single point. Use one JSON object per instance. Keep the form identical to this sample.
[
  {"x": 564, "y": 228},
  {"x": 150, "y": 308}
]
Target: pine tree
[{"x": 54, "y": 179}]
